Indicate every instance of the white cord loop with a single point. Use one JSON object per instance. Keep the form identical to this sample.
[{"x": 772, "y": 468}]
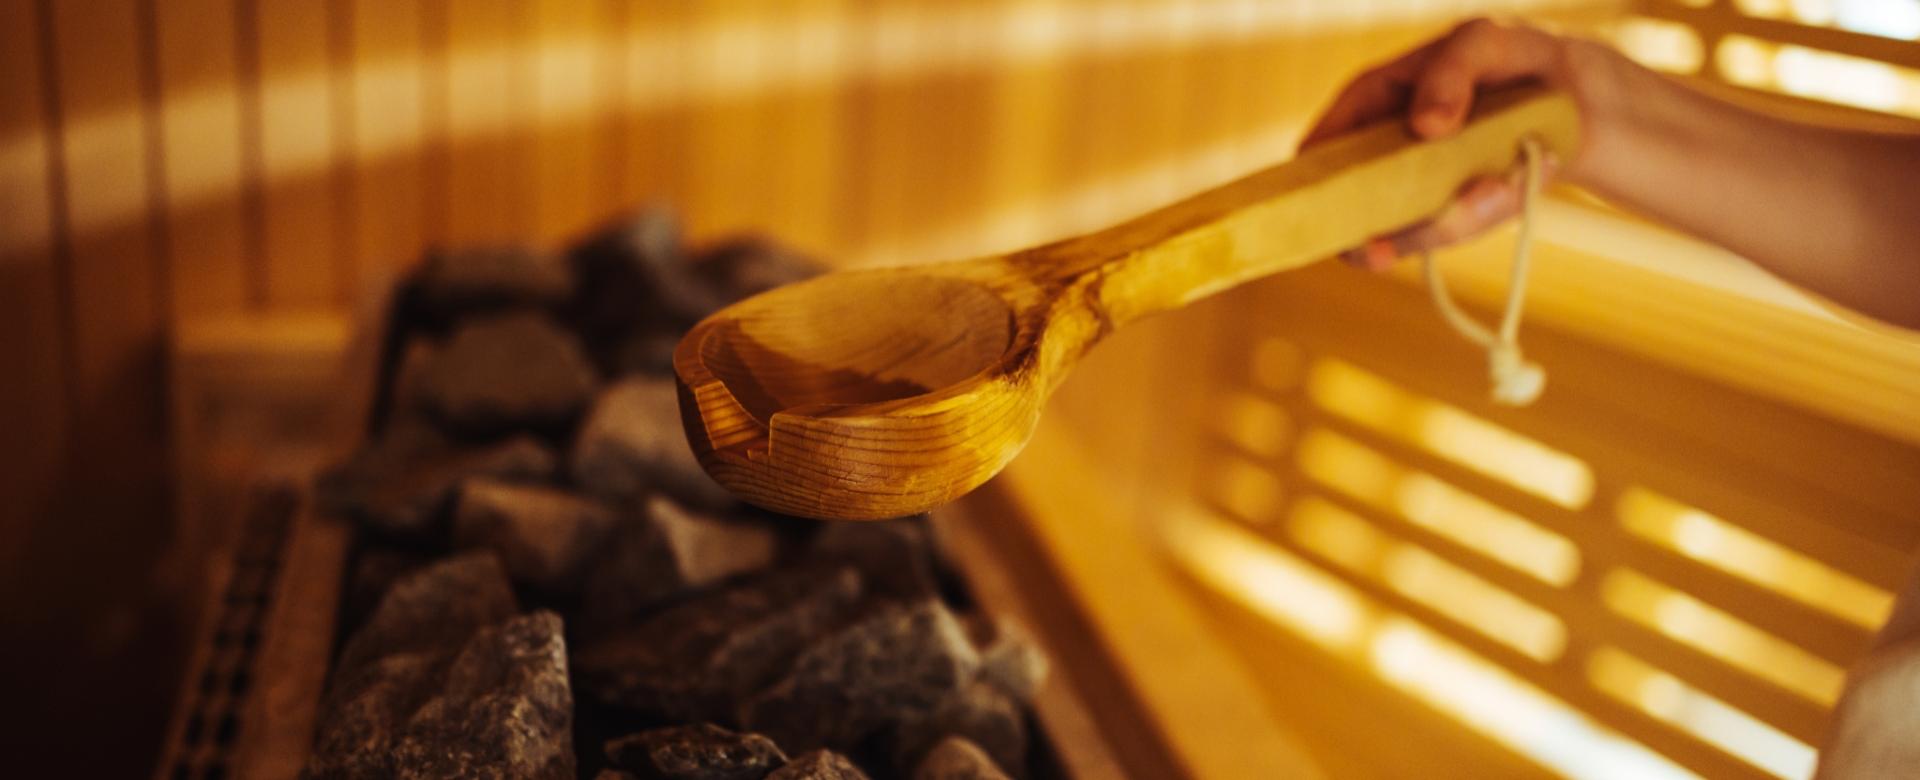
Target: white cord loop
[{"x": 1516, "y": 382}]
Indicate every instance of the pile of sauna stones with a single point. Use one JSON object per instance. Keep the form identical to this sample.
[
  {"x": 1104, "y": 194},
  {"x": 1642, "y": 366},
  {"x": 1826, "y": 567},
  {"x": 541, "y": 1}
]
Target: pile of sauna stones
[{"x": 546, "y": 584}]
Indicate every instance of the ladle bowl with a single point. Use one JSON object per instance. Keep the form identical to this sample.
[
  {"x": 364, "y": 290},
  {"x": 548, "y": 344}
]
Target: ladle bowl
[{"x": 879, "y": 393}]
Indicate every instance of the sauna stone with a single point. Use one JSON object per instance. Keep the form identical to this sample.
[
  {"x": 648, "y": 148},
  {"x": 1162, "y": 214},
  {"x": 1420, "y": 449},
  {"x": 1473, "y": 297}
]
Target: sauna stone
[
  {"x": 957, "y": 759},
  {"x": 434, "y": 609},
  {"x": 461, "y": 282},
  {"x": 648, "y": 353},
  {"x": 698, "y": 752},
  {"x": 894, "y": 556},
  {"x": 617, "y": 268},
  {"x": 979, "y": 712},
  {"x": 666, "y": 550},
  {"x": 819, "y": 765},
  {"x": 401, "y": 487},
  {"x": 505, "y": 711},
  {"x": 632, "y": 442},
  {"x": 1009, "y": 659},
  {"x": 366, "y": 708},
  {"x": 375, "y": 570},
  {"x": 508, "y": 372},
  {"x": 544, "y": 537},
  {"x": 696, "y": 661},
  {"x": 896, "y": 660},
  {"x": 445, "y": 681},
  {"x": 745, "y": 266}
]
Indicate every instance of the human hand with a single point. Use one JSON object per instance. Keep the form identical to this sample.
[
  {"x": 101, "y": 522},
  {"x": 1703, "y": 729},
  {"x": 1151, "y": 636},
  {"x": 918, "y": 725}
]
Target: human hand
[{"x": 1433, "y": 87}]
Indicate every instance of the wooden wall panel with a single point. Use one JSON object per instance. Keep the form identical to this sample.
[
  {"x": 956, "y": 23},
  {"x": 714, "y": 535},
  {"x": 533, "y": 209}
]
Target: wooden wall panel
[
  {"x": 165, "y": 160},
  {"x": 298, "y": 153},
  {"x": 33, "y": 351},
  {"x": 730, "y": 143},
  {"x": 570, "y": 71},
  {"x": 201, "y": 165},
  {"x": 117, "y": 293},
  {"x": 488, "y": 90},
  {"x": 390, "y": 116},
  {"x": 656, "y": 68},
  {"x": 805, "y": 170},
  {"x": 93, "y": 619}
]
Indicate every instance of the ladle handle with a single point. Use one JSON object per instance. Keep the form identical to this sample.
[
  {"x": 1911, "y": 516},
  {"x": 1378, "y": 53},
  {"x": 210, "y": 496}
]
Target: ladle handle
[{"x": 1329, "y": 198}]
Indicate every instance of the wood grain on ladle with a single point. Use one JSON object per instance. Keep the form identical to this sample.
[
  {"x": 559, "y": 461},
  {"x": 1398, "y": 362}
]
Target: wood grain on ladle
[{"x": 880, "y": 393}]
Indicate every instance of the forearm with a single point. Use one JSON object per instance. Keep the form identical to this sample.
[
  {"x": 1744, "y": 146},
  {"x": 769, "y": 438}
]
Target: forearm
[{"x": 1834, "y": 211}]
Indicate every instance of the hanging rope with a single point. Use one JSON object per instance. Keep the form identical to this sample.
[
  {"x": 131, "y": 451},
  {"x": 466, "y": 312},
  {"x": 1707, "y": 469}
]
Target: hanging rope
[{"x": 1516, "y": 382}]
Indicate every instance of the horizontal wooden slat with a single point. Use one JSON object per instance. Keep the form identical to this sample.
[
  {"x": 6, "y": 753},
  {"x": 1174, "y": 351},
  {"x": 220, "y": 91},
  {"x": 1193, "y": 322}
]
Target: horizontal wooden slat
[
  {"x": 1602, "y": 545},
  {"x": 1389, "y": 329},
  {"x": 1724, "y": 19},
  {"x": 1565, "y": 680},
  {"x": 1588, "y": 622}
]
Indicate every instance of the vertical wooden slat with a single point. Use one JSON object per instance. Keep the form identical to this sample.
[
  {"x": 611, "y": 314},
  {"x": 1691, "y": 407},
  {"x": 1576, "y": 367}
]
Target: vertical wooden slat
[
  {"x": 657, "y": 67},
  {"x": 488, "y": 192},
  {"x": 567, "y": 62},
  {"x": 1218, "y": 88},
  {"x": 804, "y": 167},
  {"x": 297, "y": 153},
  {"x": 116, "y": 322},
  {"x": 33, "y": 397},
  {"x": 609, "y": 153},
  {"x": 342, "y": 186},
  {"x": 97, "y": 546},
  {"x": 1146, "y": 112},
  {"x": 200, "y": 154},
  {"x": 918, "y": 130},
  {"x": 941, "y": 122},
  {"x": 1088, "y": 143},
  {"x": 730, "y": 131},
  {"x": 1026, "y": 117},
  {"x": 390, "y": 141},
  {"x": 436, "y": 121}
]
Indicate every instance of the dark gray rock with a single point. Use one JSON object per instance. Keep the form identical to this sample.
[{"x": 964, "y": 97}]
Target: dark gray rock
[
  {"x": 505, "y": 710},
  {"x": 647, "y": 352},
  {"x": 633, "y": 442},
  {"x": 1009, "y": 659},
  {"x": 455, "y": 283},
  {"x": 434, "y": 609},
  {"x": 895, "y": 557},
  {"x": 409, "y": 386},
  {"x": 698, "y": 752},
  {"x": 697, "y": 661},
  {"x": 744, "y": 266},
  {"x": 957, "y": 759},
  {"x": 618, "y": 267},
  {"x": 507, "y": 372},
  {"x": 544, "y": 537},
  {"x": 444, "y": 681},
  {"x": 403, "y": 485},
  {"x": 366, "y": 708},
  {"x": 896, "y": 660},
  {"x": 819, "y": 765},
  {"x": 666, "y": 550},
  {"x": 981, "y": 713},
  {"x": 376, "y": 568}
]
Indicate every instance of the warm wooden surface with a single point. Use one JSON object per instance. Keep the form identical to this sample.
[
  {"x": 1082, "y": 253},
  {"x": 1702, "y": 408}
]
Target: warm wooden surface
[
  {"x": 873, "y": 394},
  {"x": 143, "y": 185},
  {"x": 1172, "y": 695}
]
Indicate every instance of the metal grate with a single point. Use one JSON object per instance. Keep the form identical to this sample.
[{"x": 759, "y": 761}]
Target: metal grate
[{"x": 221, "y": 673}]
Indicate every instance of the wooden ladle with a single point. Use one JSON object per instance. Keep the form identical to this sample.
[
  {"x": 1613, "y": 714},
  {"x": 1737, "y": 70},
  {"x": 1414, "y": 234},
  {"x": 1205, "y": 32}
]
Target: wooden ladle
[{"x": 880, "y": 393}]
